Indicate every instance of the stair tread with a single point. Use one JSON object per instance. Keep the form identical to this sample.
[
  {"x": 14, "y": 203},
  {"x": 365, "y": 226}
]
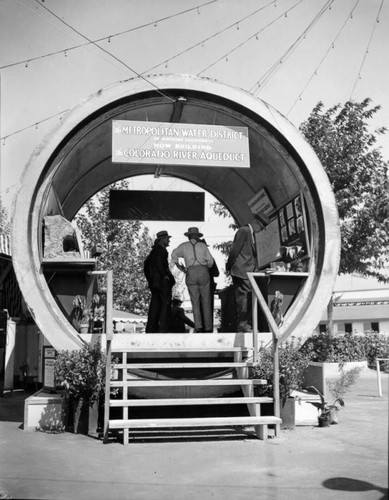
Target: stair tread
[
  {"x": 181, "y": 349},
  {"x": 188, "y": 401},
  {"x": 192, "y": 422},
  {"x": 133, "y": 366},
  {"x": 184, "y": 382}
]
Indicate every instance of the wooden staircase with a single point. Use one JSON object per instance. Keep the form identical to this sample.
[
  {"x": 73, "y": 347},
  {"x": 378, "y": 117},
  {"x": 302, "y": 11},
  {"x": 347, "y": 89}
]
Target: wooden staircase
[{"x": 139, "y": 368}]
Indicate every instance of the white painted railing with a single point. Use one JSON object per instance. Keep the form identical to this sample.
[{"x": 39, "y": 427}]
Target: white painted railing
[{"x": 379, "y": 374}]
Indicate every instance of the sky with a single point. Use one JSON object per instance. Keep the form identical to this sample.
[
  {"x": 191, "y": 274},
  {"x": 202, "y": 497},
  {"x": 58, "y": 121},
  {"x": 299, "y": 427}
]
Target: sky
[{"x": 289, "y": 53}]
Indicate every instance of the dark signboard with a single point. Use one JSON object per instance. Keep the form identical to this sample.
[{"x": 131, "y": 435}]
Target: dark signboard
[{"x": 156, "y": 205}]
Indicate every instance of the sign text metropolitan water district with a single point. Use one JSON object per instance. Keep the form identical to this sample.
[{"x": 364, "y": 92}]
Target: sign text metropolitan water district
[{"x": 179, "y": 144}]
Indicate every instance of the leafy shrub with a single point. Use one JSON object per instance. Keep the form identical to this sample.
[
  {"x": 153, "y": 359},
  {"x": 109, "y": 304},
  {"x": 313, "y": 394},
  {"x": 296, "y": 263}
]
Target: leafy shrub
[
  {"x": 336, "y": 349},
  {"x": 293, "y": 362},
  {"x": 341, "y": 386},
  {"x": 82, "y": 372},
  {"x": 376, "y": 346}
]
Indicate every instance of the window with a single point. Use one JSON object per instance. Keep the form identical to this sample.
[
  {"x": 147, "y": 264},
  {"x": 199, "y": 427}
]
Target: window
[
  {"x": 348, "y": 327},
  {"x": 322, "y": 328},
  {"x": 371, "y": 327}
]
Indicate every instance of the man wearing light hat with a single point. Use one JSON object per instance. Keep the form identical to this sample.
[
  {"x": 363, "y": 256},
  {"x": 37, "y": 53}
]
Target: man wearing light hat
[
  {"x": 161, "y": 282},
  {"x": 198, "y": 260}
]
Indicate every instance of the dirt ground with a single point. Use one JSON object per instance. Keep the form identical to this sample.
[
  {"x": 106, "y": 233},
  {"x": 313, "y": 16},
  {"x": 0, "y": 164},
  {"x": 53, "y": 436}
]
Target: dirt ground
[{"x": 344, "y": 461}]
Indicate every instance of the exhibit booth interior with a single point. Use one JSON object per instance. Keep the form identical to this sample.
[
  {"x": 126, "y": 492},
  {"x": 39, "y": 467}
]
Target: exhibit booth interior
[{"x": 221, "y": 139}]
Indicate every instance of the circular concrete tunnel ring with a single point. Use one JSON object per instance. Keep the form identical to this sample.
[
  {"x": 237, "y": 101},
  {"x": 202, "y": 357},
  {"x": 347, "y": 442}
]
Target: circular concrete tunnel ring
[{"x": 59, "y": 146}]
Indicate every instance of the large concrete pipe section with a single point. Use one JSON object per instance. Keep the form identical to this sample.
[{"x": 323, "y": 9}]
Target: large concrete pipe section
[{"x": 75, "y": 161}]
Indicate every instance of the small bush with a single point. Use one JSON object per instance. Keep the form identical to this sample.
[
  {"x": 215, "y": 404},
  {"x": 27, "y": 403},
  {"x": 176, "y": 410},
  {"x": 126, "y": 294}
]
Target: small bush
[
  {"x": 293, "y": 362},
  {"x": 376, "y": 346},
  {"x": 82, "y": 372},
  {"x": 336, "y": 349},
  {"x": 346, "y": 379}
]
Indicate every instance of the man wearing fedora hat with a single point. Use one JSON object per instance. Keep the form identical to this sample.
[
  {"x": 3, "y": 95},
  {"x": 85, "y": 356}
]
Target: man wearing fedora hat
[
  {"x": 161, "y": 282},
  {"x": 241, "y": 260},
  {"x": 198, "y": 260}
]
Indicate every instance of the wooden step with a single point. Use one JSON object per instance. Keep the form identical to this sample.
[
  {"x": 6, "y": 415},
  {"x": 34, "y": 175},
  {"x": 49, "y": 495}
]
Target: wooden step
[
  {"x": 188, "y": 401},
  {"x": 146, "y": 365},
  {"x": 260, "y": 423},
  {"x": 180, "y": 349},
  {"x": 184, "y": 382}
]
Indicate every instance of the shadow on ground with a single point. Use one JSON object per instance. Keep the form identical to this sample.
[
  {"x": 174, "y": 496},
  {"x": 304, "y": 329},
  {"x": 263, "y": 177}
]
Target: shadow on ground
[{"x": 353, "y": 485}]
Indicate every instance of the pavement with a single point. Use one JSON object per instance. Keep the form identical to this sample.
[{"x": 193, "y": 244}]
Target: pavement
[{"x": 344, "y": 461}]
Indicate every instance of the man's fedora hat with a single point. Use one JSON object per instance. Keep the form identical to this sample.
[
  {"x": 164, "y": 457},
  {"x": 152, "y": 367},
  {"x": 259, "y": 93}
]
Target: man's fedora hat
[
  {"x": 193, "y": 230},
  {"x": 161, "y": 234}
]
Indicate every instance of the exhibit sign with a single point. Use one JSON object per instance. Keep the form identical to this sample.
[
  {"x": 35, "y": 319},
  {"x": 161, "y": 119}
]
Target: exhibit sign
[
  {"x": 180, "y": 144},
  {"x": 49, "y": 355},
  {"x": 261, "y": 205}
]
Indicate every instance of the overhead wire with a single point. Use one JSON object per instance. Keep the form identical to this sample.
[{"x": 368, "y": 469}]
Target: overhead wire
[
  {"x": 367, "y": 49},
  {"x": 331, "y": 46},
  {"x": 107, "y": 52},
  {"x": 36, "y": 124},
  {"x": 66, "y": 33},
  {"x": 277, "y": 65},
  {"x": 234, "y": 24},
  {"x": 108, "y": 37},
  {"x": 255, "y": 35}
]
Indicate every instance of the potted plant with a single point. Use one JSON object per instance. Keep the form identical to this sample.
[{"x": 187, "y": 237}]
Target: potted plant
[
  {"x": 338, "y": 389},
  {"x": 293, "y": 362},
  {"x": 81, "y": 373},
  {"x": 328, "y": 412},
  {"x": 81, "y": 313},
  {"x": 98, "y": 313}
]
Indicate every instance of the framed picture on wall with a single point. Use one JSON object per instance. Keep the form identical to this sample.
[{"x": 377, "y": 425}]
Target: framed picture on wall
[
  {"x": 292, "y": 223},
  {"x": 291, "y": 227},
  {"x": 281, "y": 217},
  {"x": 289, "y": 211},
  {"x": 297, "y": 206}
]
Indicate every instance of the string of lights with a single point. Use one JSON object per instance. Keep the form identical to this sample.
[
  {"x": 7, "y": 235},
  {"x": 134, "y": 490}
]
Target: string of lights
[
  {"x": 266, "y": 77},
  {"x": 107, "y": 52},
  {"x": 235, "y": 24},
  {"x": 376, "y": 22},
  {"x": 276, "y": 66},
  {"x": 330, "y": 47},
  {"x": 256, "y": 35},
  {"x": 107, "y": 38},
  {"x": 36, "y": 125}
]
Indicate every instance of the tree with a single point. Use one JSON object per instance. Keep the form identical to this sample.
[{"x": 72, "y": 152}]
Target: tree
[
  {"x": 347, "y": 148},
  {"x": 5, "y": 226},
  {"x": 125, "y": 245}
]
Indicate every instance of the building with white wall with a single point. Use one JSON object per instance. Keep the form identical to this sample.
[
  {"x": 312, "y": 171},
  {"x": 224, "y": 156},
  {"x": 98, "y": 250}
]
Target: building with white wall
[{"x": 361, "y": 304}]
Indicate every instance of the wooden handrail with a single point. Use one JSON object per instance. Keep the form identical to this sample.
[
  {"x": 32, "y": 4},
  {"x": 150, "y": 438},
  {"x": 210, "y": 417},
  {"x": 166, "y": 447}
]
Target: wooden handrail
[
  {"x": 275, "y": 335},
  {"x": 109, "y": 332}
]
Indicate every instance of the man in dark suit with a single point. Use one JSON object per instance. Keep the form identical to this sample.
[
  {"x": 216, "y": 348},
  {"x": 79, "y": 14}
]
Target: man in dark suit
[
  {"x": 161, "y": 282},
  {"x": 241, "y": 260}
]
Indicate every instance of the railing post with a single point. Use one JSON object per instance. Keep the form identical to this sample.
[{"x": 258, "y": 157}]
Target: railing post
[
  {"x": 109, "y": 334},
  {"x": 276, "y": 383},
  {"x": 379, "y": 377},
  {"x": 276, "y": 377},
  {"x": 276, "y": 339},
  {"x": 255, "y": 328}
]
